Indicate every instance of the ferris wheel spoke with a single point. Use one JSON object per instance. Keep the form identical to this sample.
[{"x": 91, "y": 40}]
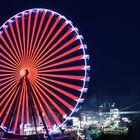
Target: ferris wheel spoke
[
  {"x": 5, "y": 78},
  {"x": 27, "y": 106},
  {"x": 72, "y": 77},
  {"x": 54, "y": 95},
  {"x": 23, "y": 32},
  {"x": 71, "y": 96},
  {"x": 31, "y": 103},
  {"x": 46, "y": 56},
  {"x": 42, "y": 111},
  {"x": 28, "y": 31},
  {"x": 8, "y": 60},
  {"x": 48, "y": 35},
  {"x": 6, "y": 68},
  {"x": 10, "y": 89},
  {"x": 37, "y": 112},
  {"x": 42, "y": 35},
  {"x": 49, "y": 109},
  {"x": 54, "y": 37},
  {"x": 5, "y": 64},
  {"x": 11, "y": 53},
  {"x": 38, "y": 33},
  {"x": 9, "y": 97},
  {"x": 18, "y": 111},
  {"x": 12, "y": 45},
  {"x": 7, "y": 87},
  {"x": 19, "y": 36},
  {"x": 6, "y": 73},
  {"x": 53, "y": 103},
  {"x": 59, "y": 56},
  {"x": 15, "y": 39},
  {"x": 45, "y": 59},
  {"x": 8, "y": 81},
  {"x": 73, "y": 59},
  {"x": 78, "y": 88},
  {"x": 33, "y": 32},
  {"x": 17, "y": 105},
  {"x": 52, "y": 47},
  {"x": 6, "y": 101},
  {"x": 23, "y": 104},
  {"x": 9, "y": 108},
  {"x": 74, "y": 68}
]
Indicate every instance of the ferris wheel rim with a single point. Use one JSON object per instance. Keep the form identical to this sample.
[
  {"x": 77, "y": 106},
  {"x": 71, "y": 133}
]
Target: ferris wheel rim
[{"x": 82, "y": 45}]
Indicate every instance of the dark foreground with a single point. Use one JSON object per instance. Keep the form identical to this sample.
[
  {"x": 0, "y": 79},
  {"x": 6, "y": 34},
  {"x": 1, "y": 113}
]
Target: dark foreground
[
  {"x": 103, "y": 137},
  {"x": 132, "y": 135}
]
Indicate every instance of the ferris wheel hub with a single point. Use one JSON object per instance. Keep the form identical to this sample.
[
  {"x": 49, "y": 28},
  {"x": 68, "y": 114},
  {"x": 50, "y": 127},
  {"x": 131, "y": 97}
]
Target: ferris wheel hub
[{"x": 24, "y": 72}]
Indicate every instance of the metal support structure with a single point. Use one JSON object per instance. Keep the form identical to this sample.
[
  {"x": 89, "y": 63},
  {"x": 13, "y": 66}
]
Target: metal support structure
[{"x": 40, "y": 113}]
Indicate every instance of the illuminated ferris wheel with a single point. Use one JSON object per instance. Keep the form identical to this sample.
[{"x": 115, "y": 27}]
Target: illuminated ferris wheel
[{"x": 43, "y": 71}]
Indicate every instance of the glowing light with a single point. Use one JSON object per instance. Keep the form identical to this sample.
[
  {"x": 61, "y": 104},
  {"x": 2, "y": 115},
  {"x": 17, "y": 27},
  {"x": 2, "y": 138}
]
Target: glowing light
[{"x": 24, "y": 72}]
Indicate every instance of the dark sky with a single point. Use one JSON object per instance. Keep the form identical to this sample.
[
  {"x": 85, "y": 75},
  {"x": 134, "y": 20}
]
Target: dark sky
[{"x": 111, "y": 30}]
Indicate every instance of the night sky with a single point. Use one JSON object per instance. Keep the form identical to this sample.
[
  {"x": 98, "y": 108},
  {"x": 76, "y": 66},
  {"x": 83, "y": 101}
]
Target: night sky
[{"x": 111, "y": 30}]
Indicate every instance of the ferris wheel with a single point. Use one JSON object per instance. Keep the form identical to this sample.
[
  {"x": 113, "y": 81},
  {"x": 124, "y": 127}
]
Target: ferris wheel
[{"x": 43, "y": 71}]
